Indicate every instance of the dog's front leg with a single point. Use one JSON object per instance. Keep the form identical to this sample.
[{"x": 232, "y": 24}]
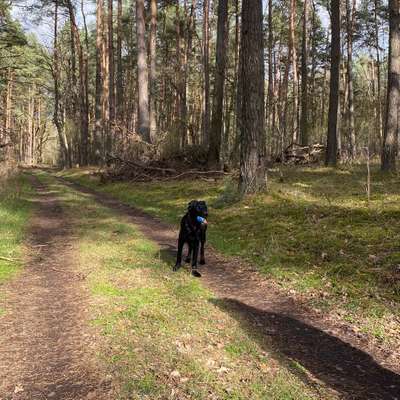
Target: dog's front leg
[
  {"x": 195, "y": 272},
  {"x": 178, "y": 263},
  {"x": 195, "y": 254}
]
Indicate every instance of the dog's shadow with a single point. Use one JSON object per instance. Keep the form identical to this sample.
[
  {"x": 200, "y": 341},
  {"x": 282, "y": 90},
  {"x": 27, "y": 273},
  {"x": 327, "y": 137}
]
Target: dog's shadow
[{"x": 167, "y": 253}]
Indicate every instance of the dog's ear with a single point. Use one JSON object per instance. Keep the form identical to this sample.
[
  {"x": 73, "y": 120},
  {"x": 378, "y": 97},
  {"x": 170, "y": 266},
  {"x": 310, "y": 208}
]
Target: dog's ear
[{"x": 192, "y": 205}]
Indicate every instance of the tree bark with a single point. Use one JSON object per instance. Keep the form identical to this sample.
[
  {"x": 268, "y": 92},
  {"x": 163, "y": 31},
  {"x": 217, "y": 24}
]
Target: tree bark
[
  {"x": 252, "y": 150},
  {"x": 390, "y": 137},
  {"x": 143, "y": 75},
  {"x": 219, "y": 84},
  {"x": 331, "y": 148}
]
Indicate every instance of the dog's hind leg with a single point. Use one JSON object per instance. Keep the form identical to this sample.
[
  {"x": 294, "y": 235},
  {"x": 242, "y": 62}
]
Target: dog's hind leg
[
  {"x": 178, "y": 263},
  {"x": 189, "y": 254}
]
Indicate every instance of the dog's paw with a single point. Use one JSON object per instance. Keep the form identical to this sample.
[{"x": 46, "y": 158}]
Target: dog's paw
[
  {"x": 187, "y": 260},
  {"x": 196, "y": 273},
  {"x": 202, "y": 262}
]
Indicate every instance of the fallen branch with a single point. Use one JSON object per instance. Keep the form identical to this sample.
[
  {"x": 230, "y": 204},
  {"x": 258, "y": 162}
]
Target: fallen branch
[
  {"x": 195, "y": 172},
  {"x": 10, "y": 259}
]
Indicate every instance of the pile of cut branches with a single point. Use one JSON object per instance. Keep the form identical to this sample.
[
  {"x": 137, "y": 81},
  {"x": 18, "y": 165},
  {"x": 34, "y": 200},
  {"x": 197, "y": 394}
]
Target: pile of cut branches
[
  {"x": 119, "y": 169},
  {"x": 297, "y": 154}
]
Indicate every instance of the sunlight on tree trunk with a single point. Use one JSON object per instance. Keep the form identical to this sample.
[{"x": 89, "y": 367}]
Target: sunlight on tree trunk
[{"x": 252, "y": 151}]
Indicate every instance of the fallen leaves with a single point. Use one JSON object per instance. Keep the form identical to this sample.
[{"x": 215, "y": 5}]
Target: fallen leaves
[{"x": 18, "y": 389}]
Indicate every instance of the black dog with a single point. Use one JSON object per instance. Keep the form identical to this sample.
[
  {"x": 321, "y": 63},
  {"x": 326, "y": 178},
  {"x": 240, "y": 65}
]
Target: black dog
[{"x": 193, "y": 232}]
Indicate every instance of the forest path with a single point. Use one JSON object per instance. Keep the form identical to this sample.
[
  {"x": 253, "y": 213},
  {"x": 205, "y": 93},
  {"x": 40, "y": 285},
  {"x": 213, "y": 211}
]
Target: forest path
[
  {"x": 325, "y": 350},
  {"x": 46, "y": 346}
]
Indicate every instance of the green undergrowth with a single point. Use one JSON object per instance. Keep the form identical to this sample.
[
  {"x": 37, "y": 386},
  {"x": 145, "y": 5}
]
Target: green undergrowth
[
  {"x": 313, "y": 232},
  {"x": 166, "y": 336},
  {"x": 15, "y": 208}
]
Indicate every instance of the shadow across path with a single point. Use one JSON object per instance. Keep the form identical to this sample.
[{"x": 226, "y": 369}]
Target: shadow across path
[{"x": 348, "y": 370}]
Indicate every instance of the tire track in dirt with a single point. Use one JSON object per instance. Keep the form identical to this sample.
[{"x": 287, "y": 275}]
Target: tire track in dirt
[
  {"x": 330, "y": 351},
  {"x": 46, "y": 347}
]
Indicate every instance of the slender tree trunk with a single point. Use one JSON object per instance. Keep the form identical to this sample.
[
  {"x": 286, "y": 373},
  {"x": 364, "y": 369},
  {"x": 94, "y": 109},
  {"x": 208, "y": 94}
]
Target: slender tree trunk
[
  {"x": 237, "y": 88},
  {"x": 390, "y": 138},
  {"x": 186, "y": 73},
  {"x": 294, "y": 70},
  {"x": 378, "y": 72},
  {"x": 181, "y": 100},
  {"x": 30, "y": 125},
  {"x": 304, "y": 79},
  {"x": 82, "y": 85},
  {"x": 331, "y": 148},
  {"x": 252, "y": 149},
  {"x": 99, "y": 117},
  {"x": 111, "y": 72},
  {"x": 290, "y": 61},
  {"x": 85, "y": 88},
  {"x": 105, "y": 85},
  {"x": 120, "y": 72},
  {"x": 143, "y": 76},
  {"x": 56, "y": 76},
  {"x": 153, "y": 42},
  {"x": 8, "y": 107},
  {"x": 312, "y": 123},
  {"x": 219, "y": 84},
  {"x": 350, "y": 12},
  {"x": 206, "y": 70},
  {"x": 270, "y": 101}
]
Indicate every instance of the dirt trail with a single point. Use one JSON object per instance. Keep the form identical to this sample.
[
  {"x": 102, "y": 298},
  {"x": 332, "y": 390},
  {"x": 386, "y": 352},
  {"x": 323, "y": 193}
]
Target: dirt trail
[
  {"x": 331, "y": 352},
  {"x": 46, "y": 347}
]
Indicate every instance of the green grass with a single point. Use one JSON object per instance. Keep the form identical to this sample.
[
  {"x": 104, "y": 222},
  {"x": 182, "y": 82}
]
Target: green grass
[
  {"x": 15, "y": 209},
  {"x": 164, "y": 334},
  {"x": 313, "y": 232}
]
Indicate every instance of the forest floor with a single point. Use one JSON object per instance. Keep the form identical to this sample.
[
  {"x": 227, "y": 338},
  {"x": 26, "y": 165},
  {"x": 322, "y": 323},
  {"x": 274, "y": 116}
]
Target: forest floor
[
  {"x": 314, "y": 234},
  {"x": 151, "y": 333}
]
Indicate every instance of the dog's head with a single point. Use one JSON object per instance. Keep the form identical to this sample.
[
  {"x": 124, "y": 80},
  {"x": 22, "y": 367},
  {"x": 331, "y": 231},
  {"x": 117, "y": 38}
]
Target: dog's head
[{"x": 198, "y": 208}]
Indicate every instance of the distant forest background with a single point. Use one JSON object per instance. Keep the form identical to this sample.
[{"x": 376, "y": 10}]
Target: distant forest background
[{"x": 209, "y": 83}]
